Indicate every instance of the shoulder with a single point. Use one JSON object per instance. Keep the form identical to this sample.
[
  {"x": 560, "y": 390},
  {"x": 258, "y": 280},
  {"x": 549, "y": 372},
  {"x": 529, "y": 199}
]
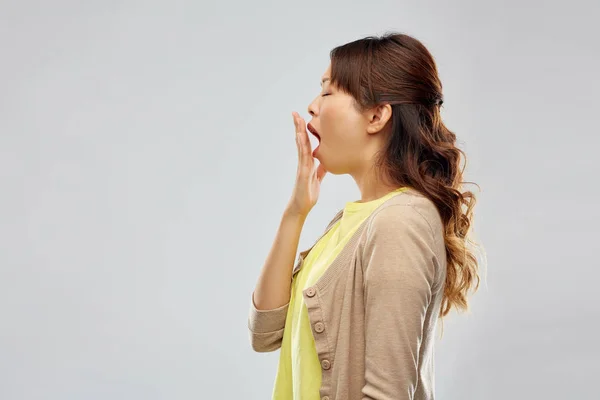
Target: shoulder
[
  {"x": 403, "y": 240},
  {"x": 407, "y": 214}
]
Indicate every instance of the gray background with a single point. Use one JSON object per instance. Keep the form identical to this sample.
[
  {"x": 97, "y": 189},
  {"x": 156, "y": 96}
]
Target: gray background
[{"x": 147, "y": 151}]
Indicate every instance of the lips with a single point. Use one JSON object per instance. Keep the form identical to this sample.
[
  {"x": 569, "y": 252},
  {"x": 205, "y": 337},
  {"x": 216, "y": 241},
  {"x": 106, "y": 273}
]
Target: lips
[{"x": 314, "y": 132}]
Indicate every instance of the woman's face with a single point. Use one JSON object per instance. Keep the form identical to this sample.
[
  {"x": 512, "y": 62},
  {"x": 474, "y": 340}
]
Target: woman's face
[{"x": 341, "y": 128}]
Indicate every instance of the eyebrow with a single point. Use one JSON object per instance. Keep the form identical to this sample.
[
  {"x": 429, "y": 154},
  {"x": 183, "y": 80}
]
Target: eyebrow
[{"x": 324, "y": 80}]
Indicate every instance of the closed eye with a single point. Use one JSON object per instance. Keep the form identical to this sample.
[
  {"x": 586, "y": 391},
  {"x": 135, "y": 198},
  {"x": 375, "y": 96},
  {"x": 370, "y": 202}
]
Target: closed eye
[{"x": 325, "y": 94}]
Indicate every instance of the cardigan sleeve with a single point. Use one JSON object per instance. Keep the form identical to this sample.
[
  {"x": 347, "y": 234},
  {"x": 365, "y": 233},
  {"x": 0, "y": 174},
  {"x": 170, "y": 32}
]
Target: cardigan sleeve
[
  {"x": 399, "y": 272},
  {"x": 266, "y": 327}
]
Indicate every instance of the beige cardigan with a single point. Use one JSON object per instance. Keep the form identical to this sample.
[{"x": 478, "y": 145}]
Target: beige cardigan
[{"x": 374, "y": 311}]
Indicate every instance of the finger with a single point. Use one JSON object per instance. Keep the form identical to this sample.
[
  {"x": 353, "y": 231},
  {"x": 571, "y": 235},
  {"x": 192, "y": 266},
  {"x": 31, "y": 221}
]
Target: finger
[
  {"x": 321, "y": 172},
  {"x": 298, "y": 141},
  {"x": 302, "y": 158},
  {"x": 306, "y": 147}
]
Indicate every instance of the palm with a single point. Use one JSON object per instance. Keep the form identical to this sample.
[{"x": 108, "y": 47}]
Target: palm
[
  {"x": 315, "y": 186},
  {"x": 309, "y": 178}
]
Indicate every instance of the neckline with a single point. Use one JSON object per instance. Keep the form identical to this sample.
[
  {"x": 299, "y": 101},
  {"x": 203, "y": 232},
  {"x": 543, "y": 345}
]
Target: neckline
[
  {"x": 357, "y": 205},
  {"x": 302, "y": 255}
]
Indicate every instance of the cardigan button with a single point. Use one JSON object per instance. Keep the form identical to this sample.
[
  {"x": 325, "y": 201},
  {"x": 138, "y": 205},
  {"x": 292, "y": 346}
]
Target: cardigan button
[
  {"x": 310, "y": 292},
  {"x": 325, "y": 398},
  {"x": 325, "y": 364},
  {"x": 319, "y": 327}
]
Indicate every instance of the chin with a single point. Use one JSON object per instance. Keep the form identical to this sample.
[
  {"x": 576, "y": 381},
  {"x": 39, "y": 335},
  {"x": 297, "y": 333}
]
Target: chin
[{"x": 332, "y": 169}]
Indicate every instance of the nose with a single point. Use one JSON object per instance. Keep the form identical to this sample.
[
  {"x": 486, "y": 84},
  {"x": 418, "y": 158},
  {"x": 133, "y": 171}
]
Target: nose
[{"x": 313, "y": 107}]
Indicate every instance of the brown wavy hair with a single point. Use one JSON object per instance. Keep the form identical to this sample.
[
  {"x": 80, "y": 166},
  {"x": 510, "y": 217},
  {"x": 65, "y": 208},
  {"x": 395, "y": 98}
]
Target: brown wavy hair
[{"x": 421, "y": 152}]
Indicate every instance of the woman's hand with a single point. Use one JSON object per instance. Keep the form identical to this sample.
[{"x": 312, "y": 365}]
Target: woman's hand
[{"x": 308, "y": 178}]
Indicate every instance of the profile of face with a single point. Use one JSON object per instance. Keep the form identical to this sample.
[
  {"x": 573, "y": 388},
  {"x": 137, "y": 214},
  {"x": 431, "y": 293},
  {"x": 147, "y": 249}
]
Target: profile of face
[{"x": 347, "y": 136}]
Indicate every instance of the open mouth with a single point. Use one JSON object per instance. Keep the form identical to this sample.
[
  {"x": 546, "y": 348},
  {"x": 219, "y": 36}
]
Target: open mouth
[{"x": 314, "y": 132}]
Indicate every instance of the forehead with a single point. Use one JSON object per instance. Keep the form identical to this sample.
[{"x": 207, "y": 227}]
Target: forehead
[{"x": 327, "y": 73}]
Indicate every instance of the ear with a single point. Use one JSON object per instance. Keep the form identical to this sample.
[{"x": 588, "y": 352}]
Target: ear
[{"x": 378, "y": 117}]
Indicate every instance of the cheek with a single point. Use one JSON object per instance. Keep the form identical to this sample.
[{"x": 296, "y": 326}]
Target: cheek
[{"x": 341, "y": 123}]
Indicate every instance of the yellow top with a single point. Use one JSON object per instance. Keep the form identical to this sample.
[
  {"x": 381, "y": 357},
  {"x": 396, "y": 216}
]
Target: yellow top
[{"x": 299, "y": 372}]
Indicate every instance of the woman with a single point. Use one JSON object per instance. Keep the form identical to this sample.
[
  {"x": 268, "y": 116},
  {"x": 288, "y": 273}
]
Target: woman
[{"x": 355, "y": 317}]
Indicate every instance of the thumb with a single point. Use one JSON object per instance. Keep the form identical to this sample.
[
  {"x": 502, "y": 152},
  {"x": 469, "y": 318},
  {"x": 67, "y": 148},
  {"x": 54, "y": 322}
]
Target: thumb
[{"x": 321, "y": 172}]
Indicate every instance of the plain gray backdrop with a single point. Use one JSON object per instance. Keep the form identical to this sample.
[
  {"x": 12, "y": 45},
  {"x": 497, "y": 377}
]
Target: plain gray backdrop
[{"x": 147, "y": 151}]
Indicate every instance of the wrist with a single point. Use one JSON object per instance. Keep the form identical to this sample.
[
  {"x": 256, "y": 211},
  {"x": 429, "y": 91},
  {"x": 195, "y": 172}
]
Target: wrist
[{"x": 295, "y": 215}]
